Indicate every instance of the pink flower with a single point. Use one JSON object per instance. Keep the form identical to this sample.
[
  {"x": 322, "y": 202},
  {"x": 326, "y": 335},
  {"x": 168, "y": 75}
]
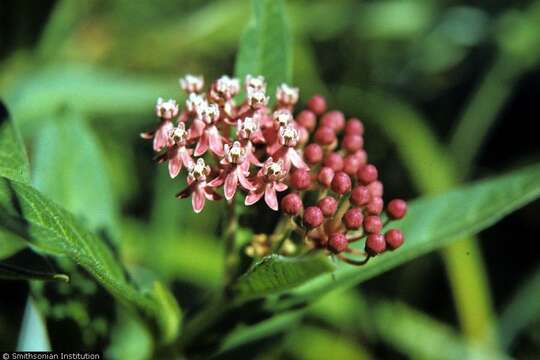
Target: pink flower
[
  {"x": 165, "y": 110},
  {"x": 199, "y": 190},
  {"x": 210, "y": 137},
  {"x": 269, "y": 180},
  {"x": 178, "y": 154},
  {"x": 235, "y": 170},
  {"x": 288, "y": 139}
]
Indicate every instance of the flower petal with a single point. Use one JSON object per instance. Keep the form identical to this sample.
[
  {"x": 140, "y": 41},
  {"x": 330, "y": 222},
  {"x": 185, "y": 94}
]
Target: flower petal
[
  {"x": 270, "y": 197},
  {"x": 246, "y": 184},
  {"x": 296, "y": 160},
  {"x": 202, "y": 145},
  {"x": 175, "y": 165},
  {"x": 197, "y": 200},
  {"x": 161, "y": 137},
  {"x": 185, "y": 156},
  {"x": 216, "y": 145},
  {"x": 231, "y": 183},
  {"x": 280, "y": 187},
  {"x": 253, "y": 197}
]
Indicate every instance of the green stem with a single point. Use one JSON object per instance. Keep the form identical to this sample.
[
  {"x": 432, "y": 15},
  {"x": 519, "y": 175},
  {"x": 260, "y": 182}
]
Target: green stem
[{"x": 230, "y": 227}]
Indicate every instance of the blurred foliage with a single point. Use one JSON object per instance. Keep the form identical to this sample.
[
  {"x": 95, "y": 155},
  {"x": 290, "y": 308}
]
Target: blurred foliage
[{"x": 80, "y": 80}]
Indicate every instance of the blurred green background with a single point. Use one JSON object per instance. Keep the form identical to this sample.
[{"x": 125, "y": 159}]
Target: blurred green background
[{"x": 448, "y": 91}]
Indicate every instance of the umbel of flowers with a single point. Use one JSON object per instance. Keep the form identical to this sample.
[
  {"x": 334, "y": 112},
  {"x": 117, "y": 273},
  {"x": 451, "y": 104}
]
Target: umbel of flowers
[{"x": 314, "y": 159}]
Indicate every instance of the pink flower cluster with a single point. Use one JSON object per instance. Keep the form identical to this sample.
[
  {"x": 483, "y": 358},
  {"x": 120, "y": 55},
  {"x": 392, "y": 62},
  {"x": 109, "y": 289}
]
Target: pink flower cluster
[
  {"x": 266, "y": 150},
  {"x": 251, "y": 146}
]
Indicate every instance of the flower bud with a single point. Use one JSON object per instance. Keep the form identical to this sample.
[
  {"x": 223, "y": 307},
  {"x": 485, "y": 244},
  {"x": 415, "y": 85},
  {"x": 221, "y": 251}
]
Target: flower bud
[
  {"x": 338, "y": 243},
  {"x": 361, "y": 155},
  {"x": 325, "y": 135},
  {"x": 341, "y": 183},
  {"x": 291, "y": 204},
  {"x": 376, "y": 189},
  {"x": 353, "y": 219},
  {"x": 375, "y": 244},
  {"x": 352, "y": 143},
  {"x": 372, "y": 224},
  {"x": 328, "y": 206},
  {"x": 313, "y": 154},
  {"x": 394, "y": 238},
  {"x": 367, "y": 174},
  {"x": 334, "y": 161},
  {"x": 313, "y": 217},
  {"x": 325, "y": 176},
  {"x": 375, "y": 206},
  {"x": 360, "y": 196},
  {"x": 354, "y": 126},
  {"x": 307, "y": 119},
  {"x": 317, "y": 104},
  {"x": 300, "y": 179},
  {"x": 334, "y": 119},
  {"x": 396, "y": 209},
  {"x": 351, "y": 164}
]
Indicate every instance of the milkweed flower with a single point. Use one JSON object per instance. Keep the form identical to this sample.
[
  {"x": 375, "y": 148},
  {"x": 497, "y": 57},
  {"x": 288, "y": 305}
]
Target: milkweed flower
[{"x": 310, "y": 164}]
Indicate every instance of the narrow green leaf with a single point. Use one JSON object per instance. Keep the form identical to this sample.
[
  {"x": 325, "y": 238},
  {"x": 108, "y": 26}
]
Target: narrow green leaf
[
  {"x": 522, "y": 310},
  {"x": 10, "y": 244},
  {"x": 69, "y": 167},
  {"x": 434, "y": 222},
  {"x": 420, "y": 337},
  {"x": 274, "y": 274},
  {"x": 51, "y": 229},
  {"x": 13, "y": 158},
  {"x": 86, "y": 89},
  {"x": 264, "y": 45},
  {"x": 33, "y": 335}
]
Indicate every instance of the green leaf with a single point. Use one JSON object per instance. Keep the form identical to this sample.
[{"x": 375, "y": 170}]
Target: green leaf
[
  {"x": 13, "y": 158},
  {"x": 10, "y": 244},
  {"x": 89, "y": 90},
  {"x": 522, "y": 310},
  {"x": 51, "y": 229},
  {"x": 69, "y": 167},
  {"x": 420, "y": 337},
  {"x": 432, "y": 223},
  {"x": 264, "y": 46},
  {"x": 33, "y": 335},
  {"x": 275, "y": 273}
]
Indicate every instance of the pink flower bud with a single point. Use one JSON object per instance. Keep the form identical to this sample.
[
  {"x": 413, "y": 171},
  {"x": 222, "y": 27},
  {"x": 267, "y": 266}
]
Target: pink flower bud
[
  {"x": 338, "y": 243},
  {"x": 313, "y": 217},
  {"x": 372, "y": 224},
  {"x": 300, "y": 179},
  {"x": 375, "y": 244},
  {"x": 334, "y": 161},
  {"x": 396, "y": 209},
  {"x": 328, "y": 206},
  {"x": 367, "y": 174},
  {"x": 341, "y": 183},
  {"x": 351, "y": 164},
  {"x": 376, "y": 189},
  {"x": 291, "y": 204},
  {"x": 325, "y": 135},
  {"x": 317, "y": 104},
  {"x": 375, "y": 206},
  {"x": 307, "y": 119},
  {"x": 325, "y": 176},
  {"x": 353, "y": 219},
  {"x": 352, "y": 143},
  {"x": 394, "y": 238},
  {"x": 354, "y": 126},
  {"x": 361, "y": 155},
  {"x": 334, "y": 119},
  {"x": 313, "y": 154},
  {"x": 360, "y": 196}
]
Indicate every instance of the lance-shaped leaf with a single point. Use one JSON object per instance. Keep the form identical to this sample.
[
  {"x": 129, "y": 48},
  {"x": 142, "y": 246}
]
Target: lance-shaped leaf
[
  {"x": 49, "y": 228},
  {"x": 13, "y": 158},
  {"x": 275, "y": 273},
  {"x": 432, "y": 223},
  {"x": 264, "y": 46}
]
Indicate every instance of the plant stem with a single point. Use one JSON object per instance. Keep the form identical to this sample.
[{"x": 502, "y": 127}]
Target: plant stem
[{"x": 230, "y": 227}]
